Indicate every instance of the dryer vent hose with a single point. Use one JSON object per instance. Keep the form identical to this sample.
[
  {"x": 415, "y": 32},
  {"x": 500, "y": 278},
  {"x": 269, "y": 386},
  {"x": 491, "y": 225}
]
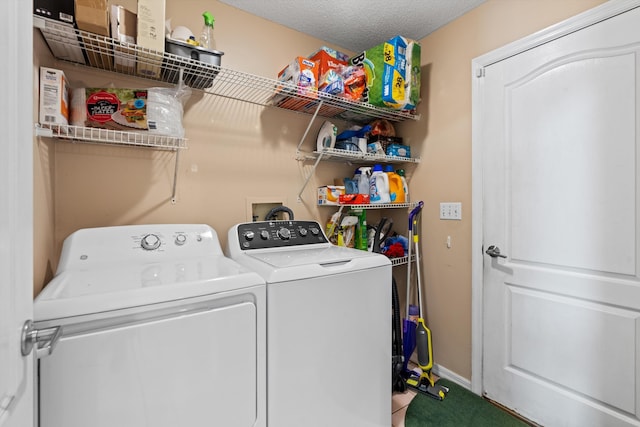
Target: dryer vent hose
[{"x": 272, "y": 214}]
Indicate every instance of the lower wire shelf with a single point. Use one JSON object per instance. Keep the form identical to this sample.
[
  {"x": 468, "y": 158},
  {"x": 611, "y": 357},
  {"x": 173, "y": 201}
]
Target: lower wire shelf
[{"x": 108, "y": 136}]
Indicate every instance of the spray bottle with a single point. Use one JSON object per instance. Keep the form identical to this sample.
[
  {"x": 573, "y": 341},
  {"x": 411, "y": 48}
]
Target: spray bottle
[
  {"x": 206, "y": 38},
  {"x": 365, "y": 175}
]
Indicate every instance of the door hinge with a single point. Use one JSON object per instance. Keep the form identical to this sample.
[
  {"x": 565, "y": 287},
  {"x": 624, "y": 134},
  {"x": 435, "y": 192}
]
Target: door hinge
[{"x": 480, "y": 72}]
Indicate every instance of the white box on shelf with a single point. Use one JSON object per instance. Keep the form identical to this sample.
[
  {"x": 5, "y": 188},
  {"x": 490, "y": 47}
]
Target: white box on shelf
[
  {"x": 150, "y": 35},
  {"x": 54, "y": 97}
]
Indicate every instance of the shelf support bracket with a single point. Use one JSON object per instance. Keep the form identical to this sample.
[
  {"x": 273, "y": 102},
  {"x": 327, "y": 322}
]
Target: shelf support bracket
[
  {"x": 306, "y": 181},
  {"x": 175, "y": 178},
  {"x": 306, "y": 132}
]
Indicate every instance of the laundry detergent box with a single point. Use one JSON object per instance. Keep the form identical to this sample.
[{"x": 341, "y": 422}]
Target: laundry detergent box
[
  {"x": 392, "y": 78},
  {"x": 330, "y": 65},
  {"x": 54, "y": 97},
  {"x": 110, "y": 108}
]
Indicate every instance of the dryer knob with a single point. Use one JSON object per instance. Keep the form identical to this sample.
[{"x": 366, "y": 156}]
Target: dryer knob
[
  {"x": 284, "y": 233},
  {"x": 249, "y": 235},
  {"x": 181, "y": 239},
  {"x": 150, "y": 242}
]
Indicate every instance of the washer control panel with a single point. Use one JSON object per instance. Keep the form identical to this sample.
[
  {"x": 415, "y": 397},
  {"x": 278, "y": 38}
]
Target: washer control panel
[
  {"x": 138, "y": 243},
  {"x": 279, "y": 234}
]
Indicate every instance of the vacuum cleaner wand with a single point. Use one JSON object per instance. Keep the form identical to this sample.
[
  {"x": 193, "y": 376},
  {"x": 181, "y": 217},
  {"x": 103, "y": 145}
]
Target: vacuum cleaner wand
[{"x": 425, "y": 382}]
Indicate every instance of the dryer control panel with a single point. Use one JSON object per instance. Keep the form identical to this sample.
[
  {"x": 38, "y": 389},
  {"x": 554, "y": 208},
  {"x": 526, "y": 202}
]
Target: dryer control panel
[{"x": 279, "y": 234}]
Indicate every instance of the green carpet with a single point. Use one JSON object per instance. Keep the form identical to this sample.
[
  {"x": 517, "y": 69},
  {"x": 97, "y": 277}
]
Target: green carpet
[{"x": 460, "y": 408}]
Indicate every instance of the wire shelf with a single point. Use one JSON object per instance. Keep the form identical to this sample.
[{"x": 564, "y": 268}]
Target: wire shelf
[
  {"x": 108, "y": 54},
  {"x": 376, "y": 205},
  {"x": 401, "y": 260},
  {"x": 108, "y": 136},
  {"x": 356, "y": 156}
]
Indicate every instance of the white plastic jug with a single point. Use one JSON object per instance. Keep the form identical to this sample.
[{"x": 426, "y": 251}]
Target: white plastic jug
[
  {"x": 379, "y": 186},
  {"x": 363, "y": 183}
]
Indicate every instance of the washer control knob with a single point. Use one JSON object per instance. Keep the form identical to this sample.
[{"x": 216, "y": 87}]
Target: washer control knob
[
  {"x": 150, "y": 242},
  {"x": 181, "y": 239},
  {"x": 314, "y": 231},
  {"x": 303, "y": 232},
  {"x": 264, "y": 235},
  {"x": 284, "y": 233},
  {"x": 249, "y": 235}
]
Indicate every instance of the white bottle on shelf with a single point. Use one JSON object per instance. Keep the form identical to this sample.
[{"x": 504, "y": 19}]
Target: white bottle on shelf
[{"x": 379, "y": 186}]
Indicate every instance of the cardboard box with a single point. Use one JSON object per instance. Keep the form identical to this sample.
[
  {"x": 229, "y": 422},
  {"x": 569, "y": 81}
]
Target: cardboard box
[
  {"x": 330, "y": 194},
  {"x": 150, "y": 35},
  {"x": 303, "y": 74},
  {"x": 93, "y": 16},
  {"x": 123, "y": 29},
  {"x": 54, "y": 97},
  {"x": 392, "y": 79},
  {"x": 59, "y": 10},
  {"x": 330, "y": 70},
  {"x": 64, "y": 42}
]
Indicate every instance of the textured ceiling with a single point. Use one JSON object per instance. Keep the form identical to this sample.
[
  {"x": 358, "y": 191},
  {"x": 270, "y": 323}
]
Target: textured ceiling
[{"x": 357, "y": 25}]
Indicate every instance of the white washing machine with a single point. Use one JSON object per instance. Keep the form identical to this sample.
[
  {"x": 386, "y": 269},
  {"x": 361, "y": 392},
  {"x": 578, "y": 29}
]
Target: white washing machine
[
  {"x": 328, "y": 325},
  {"x": 159, "y": 329}
]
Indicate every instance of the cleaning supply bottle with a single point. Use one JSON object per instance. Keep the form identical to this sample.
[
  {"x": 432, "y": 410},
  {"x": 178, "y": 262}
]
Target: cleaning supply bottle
[
  {"x": 357, "y": 176},
  {"x": 405, "y": 187},
  {"x": 206, "y": 37},
  {"x": 379, "y": 186},
  {"x": 326, "y": 136},
  {"x": 396, "y": 191},
  {"x": 365, "y": 175}
]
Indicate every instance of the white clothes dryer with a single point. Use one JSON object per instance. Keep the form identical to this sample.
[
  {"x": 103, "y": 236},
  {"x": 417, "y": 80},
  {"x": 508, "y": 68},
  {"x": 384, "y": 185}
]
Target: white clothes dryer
[
  {"x": 329, "y": 318},
  {"x": 159, "y": 329}
]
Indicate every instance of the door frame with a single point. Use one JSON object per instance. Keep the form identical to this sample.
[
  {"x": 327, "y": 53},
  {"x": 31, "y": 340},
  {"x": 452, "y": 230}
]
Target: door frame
[{"x": 578, "y": 22}]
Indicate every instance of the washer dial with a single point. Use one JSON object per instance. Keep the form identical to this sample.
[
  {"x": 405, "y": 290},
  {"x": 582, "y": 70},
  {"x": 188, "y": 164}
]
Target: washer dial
[
  {"x": 284, "y": 233},
  {"x": 150, "y": 242}
]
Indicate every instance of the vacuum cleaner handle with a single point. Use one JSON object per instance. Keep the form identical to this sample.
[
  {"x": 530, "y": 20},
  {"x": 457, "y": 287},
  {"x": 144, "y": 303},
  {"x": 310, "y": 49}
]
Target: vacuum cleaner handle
[{"x": 415, "y": 212}]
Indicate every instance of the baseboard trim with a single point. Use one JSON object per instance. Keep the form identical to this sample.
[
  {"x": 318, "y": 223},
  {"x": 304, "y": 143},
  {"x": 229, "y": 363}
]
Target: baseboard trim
[{"x": 447, "y": 374}]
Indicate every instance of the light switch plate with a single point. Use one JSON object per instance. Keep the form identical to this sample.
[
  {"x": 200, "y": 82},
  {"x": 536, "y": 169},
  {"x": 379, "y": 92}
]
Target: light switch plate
[{"x": 451, "y": 210}]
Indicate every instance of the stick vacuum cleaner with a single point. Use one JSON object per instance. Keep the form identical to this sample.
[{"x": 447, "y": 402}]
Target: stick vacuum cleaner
[{"x": 418, "y": 336}]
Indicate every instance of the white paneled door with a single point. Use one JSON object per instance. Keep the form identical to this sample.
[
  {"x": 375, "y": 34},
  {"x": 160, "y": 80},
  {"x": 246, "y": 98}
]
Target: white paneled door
[
  {"x": 16, "y": 212},
  {"x": 559, "y": 137}
]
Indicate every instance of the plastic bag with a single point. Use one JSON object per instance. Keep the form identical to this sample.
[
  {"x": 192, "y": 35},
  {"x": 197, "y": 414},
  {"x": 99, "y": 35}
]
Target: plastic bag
[{"x": 165, "y": 109}]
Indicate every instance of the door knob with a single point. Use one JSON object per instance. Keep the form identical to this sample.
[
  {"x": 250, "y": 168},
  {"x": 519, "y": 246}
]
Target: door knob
[{"x": 494, "y": 252}]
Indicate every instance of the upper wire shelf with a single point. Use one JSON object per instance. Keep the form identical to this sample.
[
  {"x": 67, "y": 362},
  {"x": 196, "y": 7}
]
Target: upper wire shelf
[{"x": 97, "y": 51}]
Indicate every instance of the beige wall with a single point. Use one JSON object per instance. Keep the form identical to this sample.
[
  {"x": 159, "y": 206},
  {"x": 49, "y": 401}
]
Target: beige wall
[{"x": 239, "y": 153}]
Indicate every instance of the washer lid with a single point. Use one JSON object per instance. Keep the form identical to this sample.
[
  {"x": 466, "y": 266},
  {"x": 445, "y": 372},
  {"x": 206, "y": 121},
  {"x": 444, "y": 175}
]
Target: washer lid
[
  {"x": 115, "y": 287},
  {"x": 277, "y": 265}
]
